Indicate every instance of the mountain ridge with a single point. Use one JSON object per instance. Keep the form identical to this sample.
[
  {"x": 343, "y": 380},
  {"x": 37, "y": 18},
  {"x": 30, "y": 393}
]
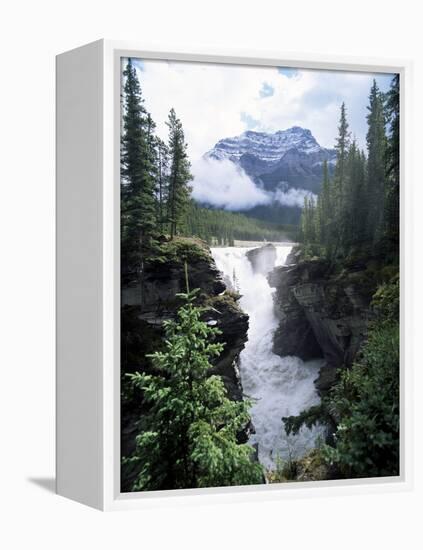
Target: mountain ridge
[{"x": 290, "y": 158}]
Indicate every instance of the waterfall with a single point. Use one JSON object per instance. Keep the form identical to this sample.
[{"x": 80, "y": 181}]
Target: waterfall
[{"x": 278, "y": 386}]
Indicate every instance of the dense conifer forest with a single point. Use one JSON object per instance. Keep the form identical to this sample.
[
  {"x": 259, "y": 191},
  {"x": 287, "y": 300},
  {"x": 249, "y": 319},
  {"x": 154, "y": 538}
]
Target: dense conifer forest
[
  {"x": 220, "y": 227},
  {"x": 355, "y": 223},
  {"x": 357, "y": 211}
]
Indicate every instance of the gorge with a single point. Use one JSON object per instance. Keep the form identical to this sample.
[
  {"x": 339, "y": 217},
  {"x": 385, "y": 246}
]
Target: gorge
[
  {"x": 278, "y": 386},
  {"x": 286, "y": 326}
]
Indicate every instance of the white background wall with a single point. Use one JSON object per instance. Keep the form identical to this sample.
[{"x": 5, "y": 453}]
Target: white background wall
[{"x": 31, "y": 34}]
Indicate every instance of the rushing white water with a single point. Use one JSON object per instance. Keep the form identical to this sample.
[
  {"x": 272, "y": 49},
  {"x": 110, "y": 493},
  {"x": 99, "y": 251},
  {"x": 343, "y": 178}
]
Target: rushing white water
[{"x": 278, "y": 386}]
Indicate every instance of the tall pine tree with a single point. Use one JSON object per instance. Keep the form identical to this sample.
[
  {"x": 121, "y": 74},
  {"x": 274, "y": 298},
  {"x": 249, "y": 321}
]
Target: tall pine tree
[
  {"x": 376, "y": 167},
  {"x": 339, "y": 181},
  {"x": 180, "y": 175},
  {"x": 327, "y": 228},
  {"x": 138, "y": 208},
  {"x": 162, "y": 188},
  {"x": 355, "y": 205},
  {"x": 189, "y": 434},
  {"x": 392, "y": 196},
  {"x": 342, "y": 146}
]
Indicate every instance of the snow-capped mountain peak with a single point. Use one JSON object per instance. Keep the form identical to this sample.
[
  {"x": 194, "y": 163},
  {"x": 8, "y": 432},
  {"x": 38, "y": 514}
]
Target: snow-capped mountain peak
[
  {"x": 267, "y": 147},
  {"x": 290, "y": 157}
]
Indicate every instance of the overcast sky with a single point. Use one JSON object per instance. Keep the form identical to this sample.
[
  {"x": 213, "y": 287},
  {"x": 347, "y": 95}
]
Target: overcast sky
[{"x": 215, "y": 101}]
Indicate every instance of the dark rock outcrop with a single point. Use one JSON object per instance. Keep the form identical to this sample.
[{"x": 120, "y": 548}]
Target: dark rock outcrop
[
  {"x": 262, "y": 259},
  {"x": 294, "y": 335},
  {"x": 155, "y": 300},
  {"x": 163, "y": 278},
  {"x": 294, "y": 256},
  {"x": 233, "y": 322},
  {"x": 322, "y": 313}
]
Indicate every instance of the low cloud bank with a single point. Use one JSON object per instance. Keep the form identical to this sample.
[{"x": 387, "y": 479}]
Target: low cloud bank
[
  {"x": 292, "y": 196},
  {"x": 223, "y": 184}
]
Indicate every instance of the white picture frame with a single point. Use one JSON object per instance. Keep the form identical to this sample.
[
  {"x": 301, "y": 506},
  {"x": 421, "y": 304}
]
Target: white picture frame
[{"x": 88, "y": 279}]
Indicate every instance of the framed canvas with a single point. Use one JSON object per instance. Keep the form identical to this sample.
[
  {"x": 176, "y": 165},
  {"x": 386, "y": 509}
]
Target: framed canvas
[{"x": 231, "y": 275}]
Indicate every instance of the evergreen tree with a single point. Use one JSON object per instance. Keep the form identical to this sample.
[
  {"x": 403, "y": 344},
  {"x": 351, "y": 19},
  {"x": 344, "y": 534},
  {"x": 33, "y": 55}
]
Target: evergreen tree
[
  {"x": 326, "y": 187},
  {"x": 326, "y": 222},
  {"x": 180, "y": 175},
  {"x": 342, "y": 147},
  {"x": 336, "y": 224},
  {"x": 355, "y": 205},
  {"x": 138, "y": 209},
  {"x": 376, "y": 167},
  {"x": 308, "y": 221},
  {"x": 162, "y": 183},
  {"x": 365, "y": 400},
  {"x": 318, "y": 220},
  {"x": 189, "y": 434},
  {"x": 392, "y": 198}
]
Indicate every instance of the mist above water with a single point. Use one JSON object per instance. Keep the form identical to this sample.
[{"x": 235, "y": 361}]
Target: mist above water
[{"x": 278, "y": 386}]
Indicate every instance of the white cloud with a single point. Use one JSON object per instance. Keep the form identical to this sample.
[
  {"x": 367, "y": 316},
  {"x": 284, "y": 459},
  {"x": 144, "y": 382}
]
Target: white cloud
[
  {"x": 225, "y": 185},
  {"x": 292, "y": 196},
  {"x": 217, "y": 101}
]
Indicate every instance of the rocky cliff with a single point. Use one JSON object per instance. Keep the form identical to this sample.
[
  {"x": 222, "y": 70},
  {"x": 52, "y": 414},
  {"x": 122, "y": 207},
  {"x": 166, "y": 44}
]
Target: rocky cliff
[
  {"x": 155, "y": 299},
  {"x": 322, "y": 312},
  {"x": 148, "y": 300}
]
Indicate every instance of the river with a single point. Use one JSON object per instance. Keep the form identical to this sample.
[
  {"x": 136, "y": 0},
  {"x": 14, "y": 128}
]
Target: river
[{"x": 278, "y": 386}]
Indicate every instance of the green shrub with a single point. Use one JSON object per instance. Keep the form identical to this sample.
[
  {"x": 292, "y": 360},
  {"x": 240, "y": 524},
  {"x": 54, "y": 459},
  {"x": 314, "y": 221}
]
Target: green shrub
[
  {"x": 366, "y": 399},
  {"x": 366, "y": 403}
]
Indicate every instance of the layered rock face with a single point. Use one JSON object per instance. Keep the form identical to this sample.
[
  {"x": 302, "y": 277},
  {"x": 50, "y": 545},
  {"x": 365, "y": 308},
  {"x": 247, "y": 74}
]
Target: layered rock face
[
  {"x": 155, "y": 300},
  {"x": 321, "y": 314},
  {"x": 164, "y": 277}
]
